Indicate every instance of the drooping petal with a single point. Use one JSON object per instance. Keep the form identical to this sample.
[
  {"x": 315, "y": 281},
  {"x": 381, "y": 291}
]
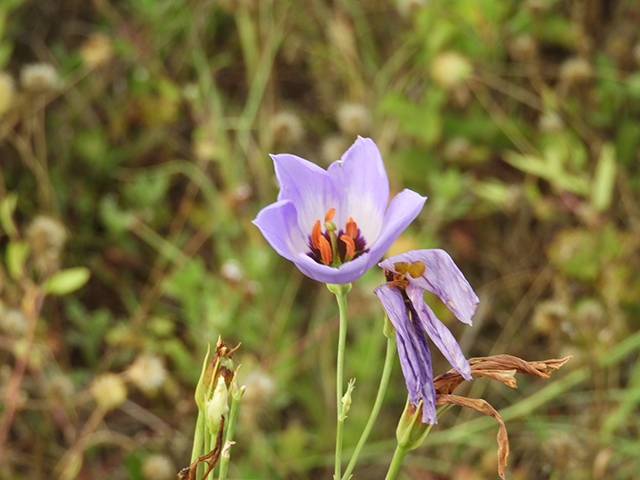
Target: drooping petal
[
  {"x": 362, "y": 181},
  {"x": 413, "y": 351},
  {"x": 442, "y": 277},
  {"x": 278, "y": 223},
  {"x": 402, "y": 210},
  {"x": 307, "y": 186},
  {"x": 438, "y": 332}
]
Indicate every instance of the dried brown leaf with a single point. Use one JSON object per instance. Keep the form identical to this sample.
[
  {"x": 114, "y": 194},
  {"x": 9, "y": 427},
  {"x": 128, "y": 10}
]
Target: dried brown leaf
[
  {"x": 482, "y": 406},
  {"x": 498, "y": 367}
]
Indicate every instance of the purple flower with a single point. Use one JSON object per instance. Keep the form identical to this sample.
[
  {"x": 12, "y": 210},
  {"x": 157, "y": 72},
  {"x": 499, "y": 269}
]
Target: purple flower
[
  {"x": 409, "y": 275},
  {"x": 335, "y": 224}
]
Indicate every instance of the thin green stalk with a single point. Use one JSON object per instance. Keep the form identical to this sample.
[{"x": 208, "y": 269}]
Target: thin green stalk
[
  {"x": 340, "y": 292},
  {"x": 382, "y": 389},
  {"x": 207, "y": 449},
  {"x": 198, "y": 437},
  {"x": 396, "y": 462},
  {"x": 212, "y": 444},
  {"x": 236, "y": 394}
]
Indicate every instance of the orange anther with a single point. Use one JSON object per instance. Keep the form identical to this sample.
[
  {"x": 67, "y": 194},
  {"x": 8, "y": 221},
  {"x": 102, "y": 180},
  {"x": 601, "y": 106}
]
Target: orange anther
[
  {"x": 316, "y": 234},
  {"x": 325, "y": 250},
  {"x": 329, "y": 215},
  {"x": 416, "y": 269},
  {"x": 350, "y": 244},
  {"x": 351, "y": 228}
]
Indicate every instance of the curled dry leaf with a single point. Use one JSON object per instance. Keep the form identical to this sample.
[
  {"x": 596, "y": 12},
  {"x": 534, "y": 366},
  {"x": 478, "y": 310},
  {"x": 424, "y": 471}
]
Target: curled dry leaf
[
  {"x": 499, "y": 367},
  {"x": 482, "y": 406}
]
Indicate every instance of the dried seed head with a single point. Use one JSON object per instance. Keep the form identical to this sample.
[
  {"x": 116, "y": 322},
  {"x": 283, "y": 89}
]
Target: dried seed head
[
  {"x": 549, "y": 316},
  {"x": 408, "y": 8},
  {"x": 286, "y": 129},
  {"x": 158, "y": 467},
  {"x": 450, "y": 69},
  {"x": 109, "y": 391},
  {"x": 12, "y": 321},
  {"x": 575, "y": 70},
  {"x": 231, "y": 271},
  {"x": 524, "y": 48},
  {"x": 333, "y": 147},
  {"x": 147, "y": 372},
  {"x": 354, "y": 119},
  {"x": 7, "y": 92},
  {"x": 39, "y": 77},
  {"x": 260, "y": 389},
  {"x": 46, "y": 237},
  {"x": 550, "y": 122},
  {"x": 457, "y": 150},
  {"x": 96, "y": 50}
]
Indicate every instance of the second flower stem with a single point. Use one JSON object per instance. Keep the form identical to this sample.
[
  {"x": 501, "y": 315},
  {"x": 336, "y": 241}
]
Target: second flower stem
[
  {"x": 340, "y": 291},
  {"x": 382, "y": 389}
]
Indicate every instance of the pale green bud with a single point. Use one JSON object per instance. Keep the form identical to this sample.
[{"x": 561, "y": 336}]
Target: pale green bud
[
  {"x": 346, "y": 399},
  {"x": 217, "y": 405}
]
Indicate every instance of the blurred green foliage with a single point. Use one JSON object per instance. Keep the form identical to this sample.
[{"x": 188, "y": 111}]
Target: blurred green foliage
[{"x": 146, "y": 140}]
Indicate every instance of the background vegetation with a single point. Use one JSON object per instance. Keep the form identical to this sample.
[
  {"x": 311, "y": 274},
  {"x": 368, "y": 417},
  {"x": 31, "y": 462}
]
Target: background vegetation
[{"x": 138, "y": 149}]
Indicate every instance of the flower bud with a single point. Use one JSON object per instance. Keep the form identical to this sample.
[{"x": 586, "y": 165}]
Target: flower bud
[
  {"x": 411, "y": 432},
  {"x": 346, "y": 399},
  {"x": 217, "y": 406},
  {"x": 220, "y": 364}
]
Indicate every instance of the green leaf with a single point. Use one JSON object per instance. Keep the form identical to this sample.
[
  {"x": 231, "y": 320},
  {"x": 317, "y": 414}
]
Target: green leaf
[
  {"x": 604, "y": 178},
  {"x": 16, "y": 257},
  {"x": 7, "y": 207},
  {"x": 67, "y": 281}
]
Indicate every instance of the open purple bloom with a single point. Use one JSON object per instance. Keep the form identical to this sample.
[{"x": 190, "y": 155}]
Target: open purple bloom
[
  {"x": 409, "y": 275},
  {"x": 335, "y": 224}
]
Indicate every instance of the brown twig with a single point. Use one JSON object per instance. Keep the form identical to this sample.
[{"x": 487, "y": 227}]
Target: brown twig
[{"x": 31, "y": 307}]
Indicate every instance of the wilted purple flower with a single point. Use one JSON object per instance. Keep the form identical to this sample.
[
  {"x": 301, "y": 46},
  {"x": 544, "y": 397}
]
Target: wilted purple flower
[
  {"x": 409, "y": 275},
  {"x": 335, "y": 224}
]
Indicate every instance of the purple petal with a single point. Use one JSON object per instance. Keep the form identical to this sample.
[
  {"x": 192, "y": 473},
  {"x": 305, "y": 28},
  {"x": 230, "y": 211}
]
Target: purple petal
[
  {"x": 442, "y": 277},
  {"x": 403, "y": 209},
  {"x": 278, "y": 223},
  {"x": 413, "y": 352},
  {"x": 438, "y": 332},
  {"x": 346, "y": 273},
  {"x": 362, "y": 181},
  {"x": 309, "y": 187}
]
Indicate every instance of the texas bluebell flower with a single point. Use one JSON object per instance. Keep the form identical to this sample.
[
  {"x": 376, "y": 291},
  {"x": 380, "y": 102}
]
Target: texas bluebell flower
[
  {"x": 335, "y": 224},
  {"x": 409, "y": 275}
]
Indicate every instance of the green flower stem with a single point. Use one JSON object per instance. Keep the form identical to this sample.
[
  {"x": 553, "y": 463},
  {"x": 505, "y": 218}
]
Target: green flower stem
[
  {"x": 236, "y": 394},
  {"x": 207, "y": 449},
  {"x": 396, "y": 462},
  {"x": 212, "y": 444},
  {"x": 198, "y": 437},
  {"x": 382, "y": 389},
  {"x": 340, "y": 291}
]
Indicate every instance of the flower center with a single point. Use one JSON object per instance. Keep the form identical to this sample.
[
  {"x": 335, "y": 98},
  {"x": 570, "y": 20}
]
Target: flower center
[
  {"x": 414, "y": 270},
  {"x": 335, "y": 247}
]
